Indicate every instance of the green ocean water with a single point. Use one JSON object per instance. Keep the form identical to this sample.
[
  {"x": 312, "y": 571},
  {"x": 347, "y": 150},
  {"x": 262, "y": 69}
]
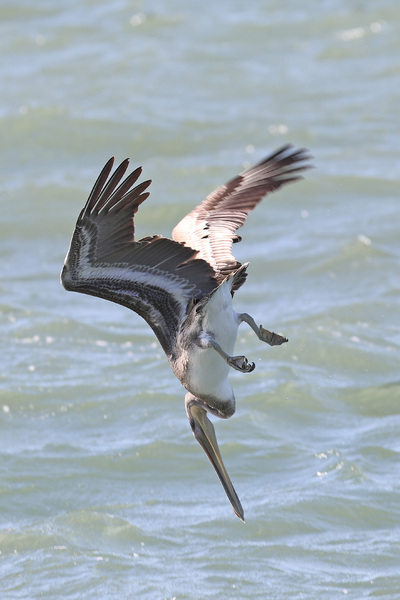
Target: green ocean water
[{"x": 103, "y": 490}]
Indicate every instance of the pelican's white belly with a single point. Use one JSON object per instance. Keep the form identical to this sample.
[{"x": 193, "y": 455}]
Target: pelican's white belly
[{"x": 208, "y": 370}]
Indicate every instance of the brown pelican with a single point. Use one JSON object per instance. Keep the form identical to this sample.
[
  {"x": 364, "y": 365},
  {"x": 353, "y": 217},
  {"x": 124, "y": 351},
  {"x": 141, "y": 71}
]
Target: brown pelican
[{"x": 182, "y": 287}]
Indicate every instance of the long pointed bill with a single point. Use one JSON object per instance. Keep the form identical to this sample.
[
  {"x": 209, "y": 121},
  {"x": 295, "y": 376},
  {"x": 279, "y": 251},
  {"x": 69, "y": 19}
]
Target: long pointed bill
[{"x": 204, "y": 433}]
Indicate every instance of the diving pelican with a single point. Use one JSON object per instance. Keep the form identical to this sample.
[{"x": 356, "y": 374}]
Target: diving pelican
[{"x": 182, "y": 287}]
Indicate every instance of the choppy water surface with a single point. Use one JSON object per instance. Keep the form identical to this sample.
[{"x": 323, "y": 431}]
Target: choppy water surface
[{"x": 104, "y": 492}]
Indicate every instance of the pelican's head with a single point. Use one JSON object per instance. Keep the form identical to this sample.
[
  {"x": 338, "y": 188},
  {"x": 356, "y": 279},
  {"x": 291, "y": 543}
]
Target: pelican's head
[{"x": 203, "y": 431}]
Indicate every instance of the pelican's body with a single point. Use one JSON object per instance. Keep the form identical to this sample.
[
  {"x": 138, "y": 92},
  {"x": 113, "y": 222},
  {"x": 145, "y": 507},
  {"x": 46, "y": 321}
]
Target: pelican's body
[
  {"x": 201, "y": 370},
  {"x": 183, "y": 287}
]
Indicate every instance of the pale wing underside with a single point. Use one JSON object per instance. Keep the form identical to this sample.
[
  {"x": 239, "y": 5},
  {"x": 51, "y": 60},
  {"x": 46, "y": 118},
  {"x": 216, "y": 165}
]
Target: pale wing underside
[
  {"x": 211, "y": 227},
  {"x": 155, "y": 276}
]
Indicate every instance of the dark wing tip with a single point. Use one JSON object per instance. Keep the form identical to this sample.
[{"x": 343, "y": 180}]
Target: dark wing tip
[
  {"x": 109, "y": 212},
  {"x": 108, "y": 191},
  {"x": 286, "y": 156},
  {"x": 282, "y": 166}
]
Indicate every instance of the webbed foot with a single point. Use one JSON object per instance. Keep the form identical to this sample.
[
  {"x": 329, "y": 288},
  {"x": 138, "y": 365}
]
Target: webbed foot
[
  {"x": 271, "y": 338},
  {"x": 240, "y": 363}
]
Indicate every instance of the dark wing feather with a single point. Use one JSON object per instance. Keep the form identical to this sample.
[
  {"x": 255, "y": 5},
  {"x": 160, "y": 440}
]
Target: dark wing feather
[
  {"x": 211, "y": 227},
  {"x": 156, "y": 277}
]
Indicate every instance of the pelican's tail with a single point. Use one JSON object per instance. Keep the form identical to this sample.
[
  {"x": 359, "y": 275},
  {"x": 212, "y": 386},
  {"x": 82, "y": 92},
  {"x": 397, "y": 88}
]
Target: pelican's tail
[
  {"x": 238, "y": 277},
  {"x": 228, "y": 286}
]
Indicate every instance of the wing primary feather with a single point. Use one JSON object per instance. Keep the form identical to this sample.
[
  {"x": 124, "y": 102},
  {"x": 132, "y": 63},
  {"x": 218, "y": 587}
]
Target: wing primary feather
[
  {"x": 112, "y": 199},
  {"x": 98, "y": 186},
  {"x": 111, "y": 185},
  {"x": 119, "y": 201}
]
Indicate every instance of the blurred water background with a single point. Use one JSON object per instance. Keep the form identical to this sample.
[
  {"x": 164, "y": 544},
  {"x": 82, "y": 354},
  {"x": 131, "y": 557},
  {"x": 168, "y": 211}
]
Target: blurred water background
[{"x": 104, "y": 493}]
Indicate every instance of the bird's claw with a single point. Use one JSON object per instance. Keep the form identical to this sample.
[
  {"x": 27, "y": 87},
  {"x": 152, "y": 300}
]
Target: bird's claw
[
  {"x": 240, "y": 363},
  {"x": 272, "y": 338}
]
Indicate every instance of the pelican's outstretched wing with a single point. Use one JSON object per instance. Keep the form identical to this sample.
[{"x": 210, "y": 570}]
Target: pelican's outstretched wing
[
  {"x": 155, "y": 276},
  {"x": 211, "y": 227}
]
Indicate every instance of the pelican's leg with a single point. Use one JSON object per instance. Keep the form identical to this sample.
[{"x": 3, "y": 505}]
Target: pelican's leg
[
  {"x": 273, "y": 339},
  {"x": 240, "y": 363}
]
